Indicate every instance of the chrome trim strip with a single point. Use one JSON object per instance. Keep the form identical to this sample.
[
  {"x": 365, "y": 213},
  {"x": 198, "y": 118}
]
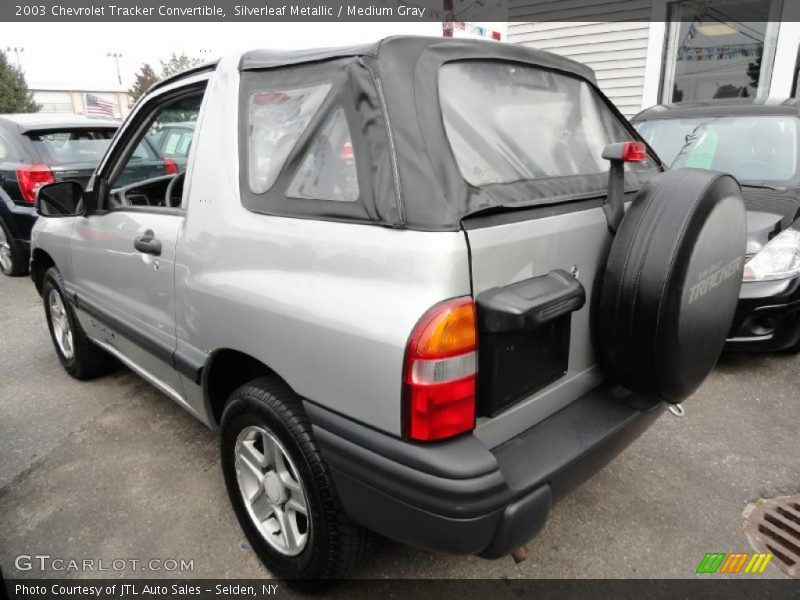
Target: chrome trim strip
[{"x": 147, "y": 376}]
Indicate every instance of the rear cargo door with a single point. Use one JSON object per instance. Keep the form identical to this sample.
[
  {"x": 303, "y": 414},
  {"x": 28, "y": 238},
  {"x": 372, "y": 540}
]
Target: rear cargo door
[
  {"x": 529, "y": 142},
  {"x": 543, "y": 367}
]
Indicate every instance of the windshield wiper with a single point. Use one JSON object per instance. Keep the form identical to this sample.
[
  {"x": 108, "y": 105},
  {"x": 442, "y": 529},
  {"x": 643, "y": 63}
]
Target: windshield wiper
[{"x": 759, "y": 186}]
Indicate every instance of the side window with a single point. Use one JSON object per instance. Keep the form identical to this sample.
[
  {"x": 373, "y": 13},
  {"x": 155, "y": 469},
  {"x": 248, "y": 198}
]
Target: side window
[
  {"x": 171, "y": 143},
  {"x": 8, "y": 150},
  {"x": 328, "y": 171},
  {"x": 302, "y": 133},
  {"x": 142, "y": 179},
  {"x": 275, "y": 121},
  {"x": 184, "y": 143}
]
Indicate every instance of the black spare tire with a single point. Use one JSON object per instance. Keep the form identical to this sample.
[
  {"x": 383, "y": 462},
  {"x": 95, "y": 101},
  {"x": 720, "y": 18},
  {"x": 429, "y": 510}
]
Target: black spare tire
[{"x": 672, "y": 282}]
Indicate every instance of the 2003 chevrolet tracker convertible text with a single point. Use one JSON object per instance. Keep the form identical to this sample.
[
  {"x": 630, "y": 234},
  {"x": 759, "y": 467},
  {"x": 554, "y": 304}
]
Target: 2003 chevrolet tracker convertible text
[{"x": 401, "y": 281}]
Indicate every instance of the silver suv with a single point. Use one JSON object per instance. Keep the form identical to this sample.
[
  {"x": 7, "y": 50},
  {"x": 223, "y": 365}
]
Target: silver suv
[{"x": 401, "y": 281}]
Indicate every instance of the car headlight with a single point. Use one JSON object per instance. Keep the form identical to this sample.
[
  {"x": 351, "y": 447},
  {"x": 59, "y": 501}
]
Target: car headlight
[{"x": 779, "y": 259}]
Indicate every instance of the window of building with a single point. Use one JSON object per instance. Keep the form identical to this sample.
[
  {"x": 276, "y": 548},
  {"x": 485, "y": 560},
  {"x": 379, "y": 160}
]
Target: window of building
[
  {"x": 57, "y": 102},
  {"x": 720, "y": 49}
]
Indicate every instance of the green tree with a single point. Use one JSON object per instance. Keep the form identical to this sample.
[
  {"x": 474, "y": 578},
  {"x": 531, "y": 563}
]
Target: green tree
[
  {"x": 754, "y": 72},
  {"x": 144, "y": 78},
  {"x": 176, "y": 64},
  {"x": 15, "y": 97}
]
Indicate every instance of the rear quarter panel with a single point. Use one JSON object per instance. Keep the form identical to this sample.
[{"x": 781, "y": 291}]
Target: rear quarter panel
[{"x": 328, "y": 306}]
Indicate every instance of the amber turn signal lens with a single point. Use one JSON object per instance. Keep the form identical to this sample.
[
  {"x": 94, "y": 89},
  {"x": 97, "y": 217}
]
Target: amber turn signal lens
[
  {"x": 447, "y": 330},
  {"x": 440, "y": 373}
]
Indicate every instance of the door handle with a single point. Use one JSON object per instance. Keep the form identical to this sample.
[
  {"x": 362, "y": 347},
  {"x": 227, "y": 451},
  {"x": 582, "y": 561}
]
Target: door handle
[{"x": 148, "y": 244}]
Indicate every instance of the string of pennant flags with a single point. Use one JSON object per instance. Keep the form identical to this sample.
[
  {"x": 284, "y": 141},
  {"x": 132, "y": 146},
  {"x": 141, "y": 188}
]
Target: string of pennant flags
[
  {"x": 477, "y": 30},
  {"x": 727, "y": 51},
  {"x": 690, "y": 35}
]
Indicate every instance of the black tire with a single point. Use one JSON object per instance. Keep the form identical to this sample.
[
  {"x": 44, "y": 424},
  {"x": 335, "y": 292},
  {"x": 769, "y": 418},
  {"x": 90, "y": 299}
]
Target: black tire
[
  {"x": 794, "y": 348},
  {"x": 18, "y": 266},
  {"x": 335, "y": 544},
  {"x": 88, "y": 360}
]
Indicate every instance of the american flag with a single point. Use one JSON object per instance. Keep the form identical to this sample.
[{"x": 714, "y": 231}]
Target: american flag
[{"x": 98, "y": 107}]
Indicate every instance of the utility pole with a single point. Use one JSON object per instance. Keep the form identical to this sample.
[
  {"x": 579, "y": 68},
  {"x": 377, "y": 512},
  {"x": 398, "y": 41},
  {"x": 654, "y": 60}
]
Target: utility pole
[
  {"x": 447, "y": 24},
  {"x": 116, "y": 56},
  {"x": 16, "y": 50}
]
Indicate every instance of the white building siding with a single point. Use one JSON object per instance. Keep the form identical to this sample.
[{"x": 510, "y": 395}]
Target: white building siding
[
  {"x": 74, "y": 102},
  {"x": 617, "y": 51},
  {"x": 58, "y": 102}
]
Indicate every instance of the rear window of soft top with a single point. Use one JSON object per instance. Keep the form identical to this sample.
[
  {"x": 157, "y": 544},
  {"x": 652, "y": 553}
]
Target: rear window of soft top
[{"x": 509, "y": 122}]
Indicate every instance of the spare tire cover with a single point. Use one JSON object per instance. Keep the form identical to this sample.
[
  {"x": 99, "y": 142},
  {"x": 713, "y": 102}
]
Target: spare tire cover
[{"x": 672, "y": 282}]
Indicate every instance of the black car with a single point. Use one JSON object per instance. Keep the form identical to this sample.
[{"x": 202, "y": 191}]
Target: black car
[
  {"x": 35, "y": 149},
  {"x": 758, "y": 143}
]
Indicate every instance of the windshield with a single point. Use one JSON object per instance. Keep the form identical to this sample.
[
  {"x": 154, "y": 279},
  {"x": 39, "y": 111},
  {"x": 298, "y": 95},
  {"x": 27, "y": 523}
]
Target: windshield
[
  {"x": 509, "y": 122},
  {"x": 757, "y": 149},
  {"x": 72, "y": 146}
]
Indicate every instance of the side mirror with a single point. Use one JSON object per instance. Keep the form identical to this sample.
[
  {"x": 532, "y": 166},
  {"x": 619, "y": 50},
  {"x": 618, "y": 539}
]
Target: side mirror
[{"x": 62, "y": 199}]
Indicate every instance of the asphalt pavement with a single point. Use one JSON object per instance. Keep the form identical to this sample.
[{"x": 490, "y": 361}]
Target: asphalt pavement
[{"x": 112, "y": 469}]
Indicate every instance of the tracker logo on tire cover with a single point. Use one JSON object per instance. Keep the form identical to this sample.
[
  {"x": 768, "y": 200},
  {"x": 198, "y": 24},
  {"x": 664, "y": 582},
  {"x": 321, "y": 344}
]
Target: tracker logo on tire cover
[{"x": 718, "y": 274}]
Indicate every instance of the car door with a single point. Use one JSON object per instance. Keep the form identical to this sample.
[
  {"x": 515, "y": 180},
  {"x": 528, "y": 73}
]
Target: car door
[{"x": 123, "y": 248}]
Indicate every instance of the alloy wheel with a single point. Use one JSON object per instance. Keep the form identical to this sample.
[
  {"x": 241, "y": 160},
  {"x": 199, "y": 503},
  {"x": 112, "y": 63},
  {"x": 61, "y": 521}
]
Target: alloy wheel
[
  {"x": 273, "y": 494},
  {"x": 6, "y": 261},
  {"x": 62, "y": 330}
]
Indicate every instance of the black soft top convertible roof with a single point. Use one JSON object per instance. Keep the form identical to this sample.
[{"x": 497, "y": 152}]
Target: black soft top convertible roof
[
  {"x": 410, "y": 46},
  {"x": 415, "y": 180}
]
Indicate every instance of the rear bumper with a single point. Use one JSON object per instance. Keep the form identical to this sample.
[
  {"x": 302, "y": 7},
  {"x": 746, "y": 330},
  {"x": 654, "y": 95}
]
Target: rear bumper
[
  {"x": 767, "y": 317},
  {"x": 460, "y": 497}
]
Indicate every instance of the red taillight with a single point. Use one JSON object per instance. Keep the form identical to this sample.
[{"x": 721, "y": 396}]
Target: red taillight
[
  {"x": 31, "y": 178},
  {"x": 634, "y": 152},
  {"x": 171, "y": 167},
  {"x": 440, "y": 369}
]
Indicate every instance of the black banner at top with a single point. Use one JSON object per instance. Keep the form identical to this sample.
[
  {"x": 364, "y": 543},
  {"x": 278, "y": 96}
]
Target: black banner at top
[
  {"x": 337, "y": 10},
  {"x": 255, "y": 10}
]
